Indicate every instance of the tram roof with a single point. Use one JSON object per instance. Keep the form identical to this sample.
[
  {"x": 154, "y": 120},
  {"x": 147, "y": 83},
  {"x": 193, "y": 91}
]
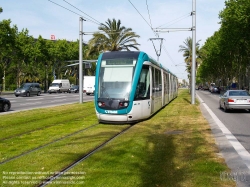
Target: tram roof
[
  {"x": 134, "y": 54},
  {"x": 159, "y": 64}
]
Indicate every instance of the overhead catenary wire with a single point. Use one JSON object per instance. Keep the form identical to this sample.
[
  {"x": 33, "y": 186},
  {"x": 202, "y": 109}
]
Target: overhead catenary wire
[
  {"x": 96, "y": 21},
  {"x": 140, "y": 14},
  {"x": 82, "y": 12},
  {"x": 101, "y": 32},
  {"x": 65, "y": 8},
  {"x": 149, "y": 14},
  {"x": 172, "y": 61},
  {"x": 85, "y": 19},
  {"x": 164, "y": 48},
  {"x": 175, "y": 20}
]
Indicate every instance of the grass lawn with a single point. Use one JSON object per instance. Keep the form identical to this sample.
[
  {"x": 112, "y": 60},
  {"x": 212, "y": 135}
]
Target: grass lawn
[{"x": 173, "y": 148}]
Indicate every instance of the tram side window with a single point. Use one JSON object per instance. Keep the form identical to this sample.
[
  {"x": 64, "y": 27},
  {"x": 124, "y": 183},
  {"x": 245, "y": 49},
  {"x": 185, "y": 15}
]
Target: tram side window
[
  {"x": 165, "y": 84},
  {"x": 143, "y": 86},
  {"x": 160, "y": 80},
  {"x": 157, "y": 81}
]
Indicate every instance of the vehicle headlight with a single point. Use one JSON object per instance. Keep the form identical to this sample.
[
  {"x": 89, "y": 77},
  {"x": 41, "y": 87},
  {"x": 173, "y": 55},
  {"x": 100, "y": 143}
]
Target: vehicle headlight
[
  {"x": 101, "y": 104},
  {"x": 123, "y": 104},
  {"x": 22, "y": 91}
]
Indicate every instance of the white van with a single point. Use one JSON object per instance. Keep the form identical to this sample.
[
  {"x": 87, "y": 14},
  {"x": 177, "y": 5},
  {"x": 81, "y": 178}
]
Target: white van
[
  {"x": 89, "y": 85},
  {"x": 59, "y": 85}
]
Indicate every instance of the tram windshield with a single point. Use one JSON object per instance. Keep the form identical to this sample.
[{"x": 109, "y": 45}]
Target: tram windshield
[{"x": 115, "y": 78}]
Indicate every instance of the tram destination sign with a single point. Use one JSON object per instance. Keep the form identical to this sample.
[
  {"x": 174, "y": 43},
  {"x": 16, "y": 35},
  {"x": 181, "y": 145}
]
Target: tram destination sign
[{"x": 120, "y": 61}]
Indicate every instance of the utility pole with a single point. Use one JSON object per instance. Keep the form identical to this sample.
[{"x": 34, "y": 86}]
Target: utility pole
[
  {"x": 80, "y": 60},
  {"x": 193, "y": 29},
  {"x": 193, "y": 53}
]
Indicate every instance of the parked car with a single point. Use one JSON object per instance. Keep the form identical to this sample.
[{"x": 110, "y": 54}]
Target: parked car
[
  {"x": 212, "y": 85},
  {"x": 4, "y": 104},
  {"x": 235, "y": 99},
  {"x": 28, "y": 89},
  {"x": 74, "y": 88},
  {"x": 205, "y": 87},
  {"x": 215, "y": 89}
]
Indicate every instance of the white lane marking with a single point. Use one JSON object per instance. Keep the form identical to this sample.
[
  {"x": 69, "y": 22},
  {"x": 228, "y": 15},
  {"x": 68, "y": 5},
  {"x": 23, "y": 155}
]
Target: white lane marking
[
  {"x": 34, "y": 99},
  {"x": 13, "y": 101},
  {"x": 60, "y": 97},
  {"x": 58, "y": 100},
  {"x": 31, "y": 103},
  {"x": 244, "y": 154}
]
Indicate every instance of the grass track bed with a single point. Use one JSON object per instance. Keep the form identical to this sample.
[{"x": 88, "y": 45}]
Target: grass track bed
[
  {"x": 173, "y": 148},
  {"x": 56, "y": 156},
  {"x": 40, "y": 120},
  {"x": 34, "y": 142},
  {"x": 152, "y": 154}
]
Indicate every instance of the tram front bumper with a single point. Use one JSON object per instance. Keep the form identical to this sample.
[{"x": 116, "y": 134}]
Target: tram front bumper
[{"x": 112, "y": 118}]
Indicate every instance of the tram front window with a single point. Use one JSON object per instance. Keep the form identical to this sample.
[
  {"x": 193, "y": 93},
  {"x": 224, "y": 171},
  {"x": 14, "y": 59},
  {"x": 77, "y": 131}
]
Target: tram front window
[{"x": 115, "y": 80}]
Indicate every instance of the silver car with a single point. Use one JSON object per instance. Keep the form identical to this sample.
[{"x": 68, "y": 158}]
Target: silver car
[{"x": 235, "y": 99}]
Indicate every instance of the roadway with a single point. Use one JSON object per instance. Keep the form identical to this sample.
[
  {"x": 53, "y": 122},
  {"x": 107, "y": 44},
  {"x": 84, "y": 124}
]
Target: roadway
[
  {"x": 237, "y": 121},
  {"x": 43, "y": 101},
  {"x": 232, "y": 135}
]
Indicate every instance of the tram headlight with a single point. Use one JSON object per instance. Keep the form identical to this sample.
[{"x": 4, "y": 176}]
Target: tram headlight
[
  {"x": 101, "y": 104},
  {"x": 123, "y": 104}
]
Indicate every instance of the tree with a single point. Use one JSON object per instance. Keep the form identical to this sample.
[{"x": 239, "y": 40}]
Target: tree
[
  {"x": 187, "y": 53},
  {"x": 235, "y": 25},
  {"x": 27, "y": 59},
  {"x": 7, "y": 43},
  {"x": 21, "y": 60},
  {"x": 226, "y": 53},
  {"x": 1, "y": 9},
  {"x": 113, "y": 37}
]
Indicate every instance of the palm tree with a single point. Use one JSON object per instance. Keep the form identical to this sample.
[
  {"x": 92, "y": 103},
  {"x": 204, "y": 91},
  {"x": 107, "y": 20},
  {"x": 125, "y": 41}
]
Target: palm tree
[
  {"x": 187, "y": 49},
  {"x": 1, "y": 9},
  {"x": 113, "y": 37}
]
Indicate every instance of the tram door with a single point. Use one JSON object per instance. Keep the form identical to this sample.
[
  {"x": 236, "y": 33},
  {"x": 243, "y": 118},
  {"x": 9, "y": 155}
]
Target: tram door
[
  {"x": 142, "y": 95},
  {"x": 156, "y": 90}
]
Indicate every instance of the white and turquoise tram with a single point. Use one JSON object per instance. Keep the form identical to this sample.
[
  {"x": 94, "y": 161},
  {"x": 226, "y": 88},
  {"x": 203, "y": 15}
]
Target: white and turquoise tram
[{"x": 130, "y": 86}]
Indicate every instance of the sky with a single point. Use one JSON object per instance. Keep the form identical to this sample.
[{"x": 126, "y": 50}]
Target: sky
[{"x": 61, "y": 19}]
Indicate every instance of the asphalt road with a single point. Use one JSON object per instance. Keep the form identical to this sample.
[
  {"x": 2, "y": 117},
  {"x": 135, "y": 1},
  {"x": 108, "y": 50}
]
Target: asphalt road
[
  {"x": 232, "y": 135},
  {"x": 237, "y": 121},
  {"x": 43, "y": 101}
]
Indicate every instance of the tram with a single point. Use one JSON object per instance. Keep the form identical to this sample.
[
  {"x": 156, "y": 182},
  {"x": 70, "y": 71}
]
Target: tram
[{"x": 130, "y": 86}]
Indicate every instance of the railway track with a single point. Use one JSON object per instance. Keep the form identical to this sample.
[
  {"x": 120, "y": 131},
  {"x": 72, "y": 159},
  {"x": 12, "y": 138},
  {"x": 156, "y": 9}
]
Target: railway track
[
  {"x": 45, "y": 145},
  {"x": 85, "y": 156}
]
